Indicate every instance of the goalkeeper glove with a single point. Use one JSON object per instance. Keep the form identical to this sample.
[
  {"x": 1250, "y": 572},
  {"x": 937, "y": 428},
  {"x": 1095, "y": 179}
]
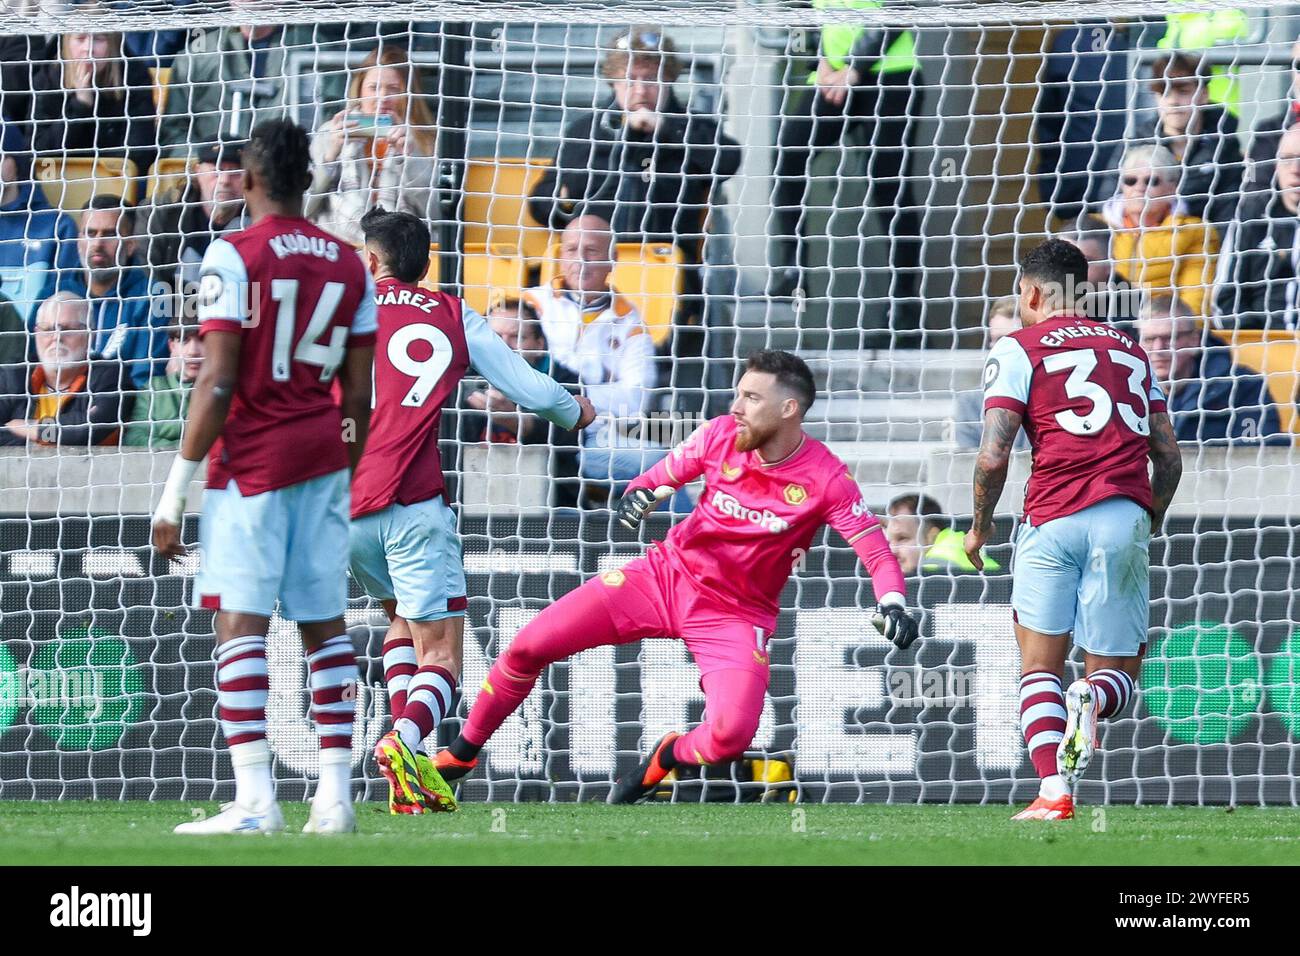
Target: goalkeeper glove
[
  {"x": 893, "y": 621},
  {"x": 635, "y": 505}
]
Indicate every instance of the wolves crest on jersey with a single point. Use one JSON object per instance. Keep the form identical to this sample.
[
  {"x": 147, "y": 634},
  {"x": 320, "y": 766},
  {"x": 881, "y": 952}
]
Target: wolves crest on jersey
[{"x": 755, "y": 514}]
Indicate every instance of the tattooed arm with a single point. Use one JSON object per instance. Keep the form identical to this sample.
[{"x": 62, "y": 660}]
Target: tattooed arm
[
  {"x": 1000, "y": 428},
  {"x": 1166, "y": 467}
]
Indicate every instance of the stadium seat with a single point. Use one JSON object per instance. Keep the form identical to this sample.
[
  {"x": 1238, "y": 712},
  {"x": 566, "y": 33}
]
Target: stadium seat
[
  {"x": 70, "y": 182},
  {"x": 162, "y": 77},
  {"x": 167, "y": 176},
  {"x": 649, "y": 274},
  {"x": 491, "y": 273},
  {"x": 496, "y": 205},
  {"x": 1276, "y": 356},
  {"x": 433, "y": 276}
]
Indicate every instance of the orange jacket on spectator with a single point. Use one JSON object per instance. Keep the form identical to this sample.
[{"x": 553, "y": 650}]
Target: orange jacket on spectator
[{"x": 1177, "y": 256}]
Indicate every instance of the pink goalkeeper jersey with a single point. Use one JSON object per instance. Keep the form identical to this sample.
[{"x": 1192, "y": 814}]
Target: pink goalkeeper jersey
[{"x": 755, "y": 519}]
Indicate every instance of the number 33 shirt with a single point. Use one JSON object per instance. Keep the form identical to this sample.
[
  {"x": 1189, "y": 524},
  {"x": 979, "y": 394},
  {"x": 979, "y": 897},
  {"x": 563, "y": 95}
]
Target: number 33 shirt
[
  {"x": 426, "y": 342},
  {"x": 299, "y": 299},
  {"x": 1086, "y": 391}
]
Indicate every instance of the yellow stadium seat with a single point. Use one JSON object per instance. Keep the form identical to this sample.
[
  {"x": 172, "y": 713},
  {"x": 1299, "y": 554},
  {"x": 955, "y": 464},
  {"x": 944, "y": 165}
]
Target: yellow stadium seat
[
  {"x": 496, "y": 205},
  {"x": 162, "y": 76},
  {"x": 433, "y": 276},
  {"x": 648, "y": 274},
  {"x": 167, "y": 176},
  {"x": 1276, "y": 356},
  {"x": 490, "y": 273},
  {"x": 72, "y": 181}
]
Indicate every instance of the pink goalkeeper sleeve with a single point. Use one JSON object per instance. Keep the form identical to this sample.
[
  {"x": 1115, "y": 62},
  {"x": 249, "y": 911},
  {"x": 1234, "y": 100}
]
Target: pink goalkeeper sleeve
[
  {"x": 680, "y": 466},
  {"x": 886, "y": 575},
  {"x": 848, "y": 514}
]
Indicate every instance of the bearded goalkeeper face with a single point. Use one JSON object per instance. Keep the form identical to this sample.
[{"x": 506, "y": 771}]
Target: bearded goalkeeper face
[{"x": 763, "y": 410}]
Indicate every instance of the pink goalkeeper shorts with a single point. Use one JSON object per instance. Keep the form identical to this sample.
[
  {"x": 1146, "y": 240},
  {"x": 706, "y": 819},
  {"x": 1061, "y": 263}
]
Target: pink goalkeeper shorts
[{"x": 654, "y": 597}]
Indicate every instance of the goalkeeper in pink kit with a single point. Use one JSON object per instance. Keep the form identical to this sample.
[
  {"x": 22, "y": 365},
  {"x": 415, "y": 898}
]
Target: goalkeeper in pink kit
[{"x": 715, "y": 582}]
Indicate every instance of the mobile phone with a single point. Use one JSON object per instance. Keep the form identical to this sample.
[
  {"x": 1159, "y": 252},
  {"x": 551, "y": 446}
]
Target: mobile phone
[{"x": 371, "y": 122}]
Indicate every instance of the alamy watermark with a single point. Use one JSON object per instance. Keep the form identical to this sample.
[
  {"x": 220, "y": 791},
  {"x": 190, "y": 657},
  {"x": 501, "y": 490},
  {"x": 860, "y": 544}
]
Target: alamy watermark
[{"x": 75, "y": 688}]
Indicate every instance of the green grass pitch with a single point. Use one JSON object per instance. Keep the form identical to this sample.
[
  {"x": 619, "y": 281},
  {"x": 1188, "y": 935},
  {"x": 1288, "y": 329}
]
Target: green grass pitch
[{"x": 80, "y": 833}]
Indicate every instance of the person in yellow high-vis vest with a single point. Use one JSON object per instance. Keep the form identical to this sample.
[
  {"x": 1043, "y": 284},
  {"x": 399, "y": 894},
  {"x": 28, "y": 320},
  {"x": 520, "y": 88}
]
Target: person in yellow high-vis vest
[
  {"x": 868, "y": 76},
  {"x": 1201, "y": 32}
]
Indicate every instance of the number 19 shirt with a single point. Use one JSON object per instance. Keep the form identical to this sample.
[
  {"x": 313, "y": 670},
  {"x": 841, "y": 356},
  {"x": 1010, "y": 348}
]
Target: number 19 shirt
[{"x": 1086, "y": 391}]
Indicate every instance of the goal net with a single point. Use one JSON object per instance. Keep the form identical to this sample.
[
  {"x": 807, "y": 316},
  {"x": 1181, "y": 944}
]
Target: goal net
[{"x": 850, "y": 180}]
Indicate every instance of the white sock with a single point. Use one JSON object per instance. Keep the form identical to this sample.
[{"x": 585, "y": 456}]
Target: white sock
[
  {"x": 254, "y": 789},
  {"x": 335, "y": 784},
  {"x": 1053, "y": 787}
]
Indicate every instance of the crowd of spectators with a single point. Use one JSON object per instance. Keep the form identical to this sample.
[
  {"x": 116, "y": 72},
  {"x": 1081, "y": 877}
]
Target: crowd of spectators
[{"x": 1187, "y": 239}]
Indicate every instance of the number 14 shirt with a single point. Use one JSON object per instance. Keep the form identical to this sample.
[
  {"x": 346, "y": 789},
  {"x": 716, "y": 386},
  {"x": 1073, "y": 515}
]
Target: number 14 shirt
[
  {"x": 298, "y": 298},
  {"x": 1086, "y": 391}
]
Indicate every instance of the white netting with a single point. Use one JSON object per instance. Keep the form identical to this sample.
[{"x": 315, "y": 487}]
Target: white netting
[{"x": 869, "y": 223}]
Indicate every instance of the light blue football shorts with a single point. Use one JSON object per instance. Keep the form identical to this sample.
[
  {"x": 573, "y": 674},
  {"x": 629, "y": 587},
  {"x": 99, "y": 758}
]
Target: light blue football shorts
[
  {"x": 1088, "y": 573},
  {"x": 411, "y": 553},
  {"x": 288, "y": 544}
]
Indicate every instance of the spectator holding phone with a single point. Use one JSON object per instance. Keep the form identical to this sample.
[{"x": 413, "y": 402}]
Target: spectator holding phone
[{"x": 376, "y": 152}]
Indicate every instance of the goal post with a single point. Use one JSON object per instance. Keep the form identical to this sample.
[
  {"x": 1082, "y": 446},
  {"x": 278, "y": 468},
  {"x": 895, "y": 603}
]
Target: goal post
[{"x": 849, "y": 180}]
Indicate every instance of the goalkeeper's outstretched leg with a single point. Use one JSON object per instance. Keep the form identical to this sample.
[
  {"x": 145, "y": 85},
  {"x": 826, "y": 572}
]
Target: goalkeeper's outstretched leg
[{"x": 580, "y": 620}]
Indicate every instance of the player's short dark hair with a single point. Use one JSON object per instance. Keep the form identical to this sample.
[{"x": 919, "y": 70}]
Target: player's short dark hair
[
  {"x": 279, "y": 151},
  {"x": 1059, "y": 264},
  {"x": 402, "y": 239},
  {"x": 791, "y": 373},
  {"x": 923, "y": 506},
  {"x": 115, "y": 203}
]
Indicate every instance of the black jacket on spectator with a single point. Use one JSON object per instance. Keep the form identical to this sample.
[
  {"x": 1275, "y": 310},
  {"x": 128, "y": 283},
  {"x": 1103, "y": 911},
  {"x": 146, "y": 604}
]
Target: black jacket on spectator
[
  {"x": 92, "y": 415},
  {"x": 1213, "y": 168},
  {"x": 1227, "y": 403},
  {"x": 1257, "y": 266},
  {"x": 650, "y": 188},
  {"x": 178, "y": 233},
  {"x": 14, "y": 335},
  {"x": 1080, "y": 115},
  {"x": 21, "y": 59},
  {"x": 1262, "y": 161},
  {"x": 113, "y": 125}
]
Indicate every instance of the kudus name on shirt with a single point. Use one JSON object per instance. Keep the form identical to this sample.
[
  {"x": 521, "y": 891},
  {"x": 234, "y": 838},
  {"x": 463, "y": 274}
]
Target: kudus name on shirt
[
  {"x": 295, "y": 243},
  {"x": 732, "y": 508},
  {"x": 77, "y": 909}
]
